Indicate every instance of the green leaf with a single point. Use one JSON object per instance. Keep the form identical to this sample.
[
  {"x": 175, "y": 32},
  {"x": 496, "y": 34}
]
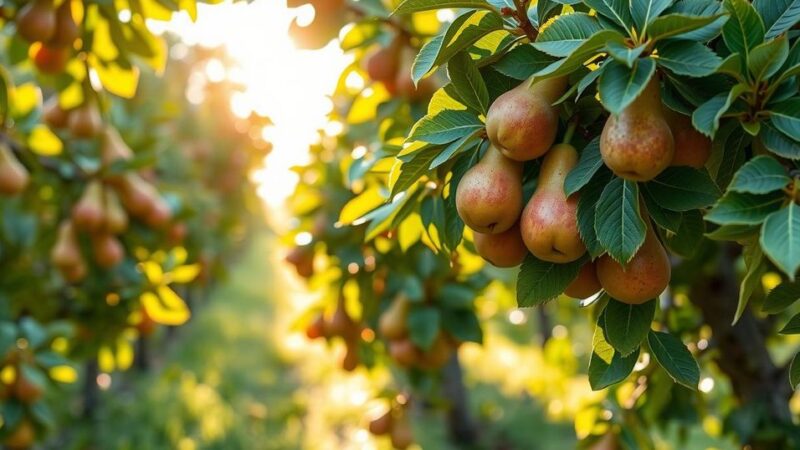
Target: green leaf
[
  {"x": 767, "y": 58},
  {"x": 677, "y": 26},
  {"x": 620, "y": 85},
  {"x": 606, "y": 366},
  {"x": 705, "y": 118},
  {"x": 754, "y": 262},
  {"x": 468, "y": 82},
  {"x": 701, "y": 8},
  {"x": 735, "y": 208},
  {"x": 778, "y": 143},
  {"x": 587, "y": 202},
  {"x": 669, "y": 220},
  {"x": 778, "y": 15},
  {"x": 566, "y": 34},
  {"x": 618, "y": 222},
  {"x": 744, "y": 29},
  {"x": 455, "y": 148},
  {"x": 781, "y": 297},
  {"x": 733, "y": 232},
  {"x": 760, "y": 175},
  {"x": 540, "y": 281},
  {"x": 618, "y": 11},
  {"x": 462, "y": 325},
  {"x": 623, "y": 53},
  {"x": 467, "y": 29},
  {"x": 683, "y": 188},
  {"x": 413, "y": 170},
  {"x": 794, "y": 372},
  {"x": 423, "y": 325},
  {"x": 732, "y": 66},
  {"x": 780, "y": 239},
  {"x": 445, "y": 127},
  {"x": 644, "y": 11},
  {"x": 589, "y": 163},
  {"x": 522, "y": 62},
  {"x": 626, "y": 326},
  {"x": 580, "y": 55},
  {"x": 412, "y": 6},
  {"x": 688, "y": 58},
  {"x": 785, "y": 116},
  {"x": 675, "y": 358},
  {"x": 33, "y": 332},
  {"x": 689, "y": 237},
  {"x": 793, "y": 326}
]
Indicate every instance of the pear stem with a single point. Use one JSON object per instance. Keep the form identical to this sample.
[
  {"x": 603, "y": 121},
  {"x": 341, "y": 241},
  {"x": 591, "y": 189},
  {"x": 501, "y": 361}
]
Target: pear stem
[{"x": 571, "y": 126}]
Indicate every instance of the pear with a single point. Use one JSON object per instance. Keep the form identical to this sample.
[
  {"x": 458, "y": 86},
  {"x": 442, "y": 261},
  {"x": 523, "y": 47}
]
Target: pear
[
  {"x": 89, "y": 214},
  {"x": 53, "y": 115},
  {"x": 66, "y": 31},
  {"x": 506, "y": 249},
  {"x": 401, "y": 434},
  {"x": 549, "y": 222},
  {"x": 404, "y": 352},
  {"x": 137, "y": 195},
  {"x": 438, "y": 355},
  {"x": 14, "y": 177},
  {"x": 113, "y": 148},
  {"x": 585, "y": 284},
  {"x": 381, "y": 425},
  {"x": 85, "y": 121},
  {"x": 351, "y": 358},
  {"x": 108, "y": 251},
  {"x": 116, "y": 219},
  {"x": 692, "y": 148},
  {"x": 317, "y": 328},
  {"x": 522, "y": 123},
  {"x": 645, "y": 277},
  {"x": 489, "y": 196},
  {"x": 51, "y": 60},
  {"x": 36, "y": 21},
  {"x": 384, "y": 64},
  {"x": 638, "y": 144},
  {"x": 66, "y": 252},
  {"x": 392, "y": 323},
  {"x": 302, "y": 258},
  {"x": 342, "y": 324},
  {"x": 160, "y": 213}
]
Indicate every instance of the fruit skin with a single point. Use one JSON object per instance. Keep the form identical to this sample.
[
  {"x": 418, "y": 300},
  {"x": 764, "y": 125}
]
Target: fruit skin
[
  {"x": 522, "y": 123},
  {"x": 506, "y": 249},
  {"x": 404, "y": 352},
  {"x": 51, "y": 60},
  {"x": 645, "y": 277},
  {"x": 585, "y": 284},
  {"x": 401, "y": 435},
  {"x": 692, "y": 148},
  {"x": 392, "y": 323},
  {"x": 549, "y": 222},
  {"x": 14, "y": 177},
  {"x": 53, "y": 114},
  {"x": 89, "y": 214},
  {"x": 66, "y": 30},
  {"x": 637, "y": 144},
  {"x": 108, "y": 251},
  {"x": 489, "y": 196},
  {"x": 36, "y": 21},
  {"x": 22, "y": 437},
  {"x": 85, "y": 121},
  {"x": 381, "y": 425}
]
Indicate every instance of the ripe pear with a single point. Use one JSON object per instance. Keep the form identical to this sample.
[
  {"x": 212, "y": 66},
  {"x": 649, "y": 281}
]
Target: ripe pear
[
  {"x": 489, "y": 196},
  {"x": 637, "y": 144},
  {"x": 67, "y": 31},
  {"x": 108, "y": 251},
  {"x": 392, "y": 323},
  {"x": 14, "y": 176},
  {"x": 22, "y": 437},
  {"x": 522, "y": 123},
  {"x": 692, "y": 148},
  {"x": 549, "y": 222},
  {"x": 381, "y": 425},
  {"x": 75, "y": 274},
  {"x": 645, "y": 277},
  {"x": 342, "y": 324},
  {"x": 116, "y": 219},
  {"x": 585, "y": 284},
  {"x": 160, "y": 213},
  {"x": 438, "y": 355},
  {"x": 351, "y": 358},
  {"x": 114, "y": 148},
  {"x": 66, "y": 252},
  {"x": 302, "y": 258},
  {"x": 36, "y": 21},
  {"x": 404, "y": 352},
  {"x": 51, "y": 60},
  {"x": 506, "y": 249},
  {"x": 53, "y": 115},
  {"x": 317, "y": 328},
  {"x": 89, "y": 214},
  {"x": 137, "y": 195},
  {"x": 85, "y": 121},
  {"x": 384, "y": 63},
  {"x": 401, "y": 434}
]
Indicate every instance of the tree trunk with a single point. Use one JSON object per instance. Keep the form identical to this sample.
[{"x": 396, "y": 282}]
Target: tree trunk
[{"x": 461, "y": 426}]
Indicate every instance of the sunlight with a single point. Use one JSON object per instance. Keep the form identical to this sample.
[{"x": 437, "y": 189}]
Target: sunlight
[{"x": 288, "y": 85}]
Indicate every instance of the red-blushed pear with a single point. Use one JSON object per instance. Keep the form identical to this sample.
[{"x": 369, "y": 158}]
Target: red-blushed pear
[
  {"x": 108, "y": 251},
  {"x": 522, "y": 123},
  {"x": 506, "y": 249},
  {"x": 381, "y": 425},
  {"x": 14, "y": 177},
  {"x": 637, "y": 144},
  {"x": 51, "y": 60},
  {"x": 585, "y": 284},
  {"x": 401, "y": 435},
  {"x": 384, "y": 63},
  {"x": 53, "y": 114},
  {"x": 160, "y": 213},
  {"x": 549, "y": 223},
  {"x": 404, "y": 352},
  {"x": 644, "y": 278},
  {"x": 66, "y": 252},
  {"x": 66, "y": 31},
  {"x": 89, "y": 214},
  {"x": 341, "y": 324},
  {"x": 489, "y": 196},
  {"x": 692, "y": 148},
  {"x": 36, "y": 21},
  {"x": 85, "y": 121}
]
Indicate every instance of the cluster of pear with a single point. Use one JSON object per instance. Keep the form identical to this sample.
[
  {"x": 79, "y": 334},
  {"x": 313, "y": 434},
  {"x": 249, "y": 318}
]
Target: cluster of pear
[
  {"x": 522, "y": 125},
  {"x": 393, "y": 326},
  {"x": 103, "y": 212},
  {"x": 391, "y": 66},
  {"x": 83, "y": 122},
  {"x": 14, "y": 177},
  {"x": 340, "y": 325},
  {"x": 53, "y": 28},
  {"x": 396, "y": 425}
]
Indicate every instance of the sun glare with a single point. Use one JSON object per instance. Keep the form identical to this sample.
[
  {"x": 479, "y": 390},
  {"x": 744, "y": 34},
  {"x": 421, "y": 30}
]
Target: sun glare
[{"x": 288, "y": 85}]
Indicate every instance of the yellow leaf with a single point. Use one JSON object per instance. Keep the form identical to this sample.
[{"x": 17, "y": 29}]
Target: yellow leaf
[
  {"x": 166, "y": 308},
  {"x": 185, "y": 274},
  {"x": 124, "y": 354},
  {"x": 25, "y": 98},
  {"x": 365, "y": 105},
  {"x": 153, "y": 272},
  {"x": 117, "y": 80},
  {"x": 179, "y": 255},
  {"x": 426, "y": 23},
  {"x": 441, "y": 101},
  {"x": 190, "y": 6},
  {"x": 102, "y": 45},
  {"x": 8, "y": 375},
  {"x": 43, "y": 142},
  {"x": 71, "y": 97},
  {"x": 105, "y": 359},
  {"x": 64, "y": 374},
  {"x": 364, "y": 203},
  {"x": 153, "y": 10},
  {"x": 410, "y": 231}
]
